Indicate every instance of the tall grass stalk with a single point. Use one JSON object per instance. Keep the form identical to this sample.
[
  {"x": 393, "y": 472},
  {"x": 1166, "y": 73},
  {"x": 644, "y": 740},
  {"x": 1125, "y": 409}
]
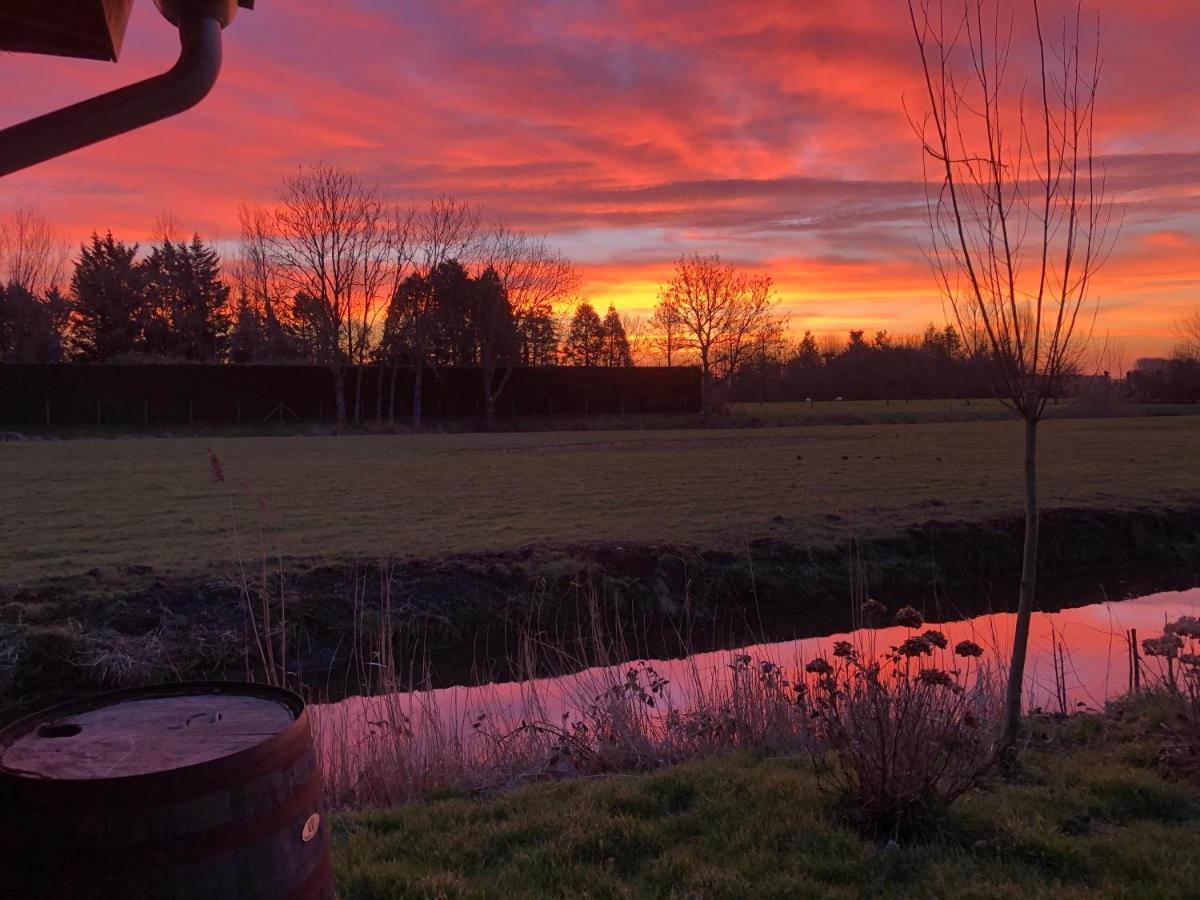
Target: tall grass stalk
[{"x": 570, "y": 716}]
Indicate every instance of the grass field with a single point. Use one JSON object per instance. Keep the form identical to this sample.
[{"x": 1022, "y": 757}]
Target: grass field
[
  {"x": 1090, "y": 818},
  {"x": 68, "y": 506}
]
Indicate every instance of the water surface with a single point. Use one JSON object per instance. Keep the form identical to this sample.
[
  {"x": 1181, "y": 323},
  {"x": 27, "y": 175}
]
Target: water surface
[{"x": 1090, "y": 642}]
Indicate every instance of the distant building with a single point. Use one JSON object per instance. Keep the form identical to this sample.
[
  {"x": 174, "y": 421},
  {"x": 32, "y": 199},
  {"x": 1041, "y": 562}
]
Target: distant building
[{"x": 1150, "y": 364}]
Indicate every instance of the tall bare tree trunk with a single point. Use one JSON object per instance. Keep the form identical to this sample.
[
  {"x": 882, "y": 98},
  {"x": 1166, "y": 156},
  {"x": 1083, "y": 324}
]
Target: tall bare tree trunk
[
  {"x": 379, "y": 397},
  {"x": 358, "y": 383},
  {"x": 339, "y": 394},
  {"x": 1016, "y": 672},
  {"x": 392, "y": 397},
  {"x": 489, "y": 406},
  {"x": 416, "y": 410},
  {"x": 489, "y": 397},
  {"x": 706, "y": 388}
]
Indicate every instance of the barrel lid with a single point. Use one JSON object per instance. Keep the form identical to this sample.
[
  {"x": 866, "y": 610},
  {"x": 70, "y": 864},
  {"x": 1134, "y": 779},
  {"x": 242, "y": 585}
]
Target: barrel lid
[{"x": 130, "y": 733}]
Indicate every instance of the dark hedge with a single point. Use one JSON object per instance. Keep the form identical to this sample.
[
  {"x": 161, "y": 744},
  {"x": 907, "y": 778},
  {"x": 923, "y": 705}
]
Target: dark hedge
[{"x": 83, "y": 393}]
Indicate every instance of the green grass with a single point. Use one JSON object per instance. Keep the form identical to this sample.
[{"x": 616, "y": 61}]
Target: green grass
[
  {"x": 68, "y": 506},
  {"x": 1084, "y": 821}
]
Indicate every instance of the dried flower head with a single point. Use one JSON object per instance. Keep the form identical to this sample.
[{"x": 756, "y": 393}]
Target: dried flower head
[
  {"x": 1185, "y": 626},
  {"x": 819, "y": 666},
  {"x": 936, "y": 678},
  {"x": 844, "y": 650},
  {"x": 1192, "y": 660},
  {"x": 968, "y": 648},
  {"x": 872, "y": 608},
  {"x": 936, "y": 638},
  {"x": 909, "y": 618},
  {"x": 915, "y": 646},
  {"x": 1167, "y": 646}
]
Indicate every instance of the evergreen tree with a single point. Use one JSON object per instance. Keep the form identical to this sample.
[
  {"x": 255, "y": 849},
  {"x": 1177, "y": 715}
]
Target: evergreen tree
[
  {"x": 186, "y": 301},
  {"x": 584, "y": 345},
  {"x": 247, "y": 341},
  {"x": 279, "y": 337},
  {"x": 616, "y": 343},
  {"x": 107, "y": 300},
  {"x": 539, "y": 338},
  {"x": 497, "y": 338},
  {"x": 808, "y": 354},
  {"x": 31, "y": 327}
]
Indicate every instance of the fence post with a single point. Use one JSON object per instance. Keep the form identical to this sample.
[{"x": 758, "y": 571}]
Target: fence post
[
  {"x": 191, "y": 413},
  {"x": 47, "y": 412},
  {"x": 99, "y": 420},
  {"x": 1137, "y": 662},
  {"x": 237, "y": 412},
  {"x": 145, "y": 413}
]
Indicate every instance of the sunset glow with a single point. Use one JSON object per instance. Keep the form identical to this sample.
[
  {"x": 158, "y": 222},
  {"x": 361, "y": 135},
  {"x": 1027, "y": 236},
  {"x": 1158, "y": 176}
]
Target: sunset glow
[{"x": 629, "y": 133}]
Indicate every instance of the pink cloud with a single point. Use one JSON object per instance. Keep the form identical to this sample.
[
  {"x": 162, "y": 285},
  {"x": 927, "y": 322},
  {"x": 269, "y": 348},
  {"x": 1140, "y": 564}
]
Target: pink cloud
[{"x": 629, "y": 132}]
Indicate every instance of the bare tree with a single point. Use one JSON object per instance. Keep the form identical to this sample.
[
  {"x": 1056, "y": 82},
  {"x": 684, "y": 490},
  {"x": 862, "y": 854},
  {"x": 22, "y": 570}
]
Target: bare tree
[
  {"x": 535, "y": 277},
  {"x": 377, "y": 261},
  {"x": 830, "y": 345},
  {"x": 167, "y": 229},
  {"x": 252, "y": 272},
  {"x": 637, "y": 334},
  {"x": 33, "y": 255},
  {"x": 326, "y": 233},
  {"x": 666, "y": 331},
  {"x": 1189, "y": 331},
  {"x": 400, "y": 253},
  {"x": 722, "y": 315},
  {"x": 1018, "y": 218},
  {"x": 444, "y": 229}
]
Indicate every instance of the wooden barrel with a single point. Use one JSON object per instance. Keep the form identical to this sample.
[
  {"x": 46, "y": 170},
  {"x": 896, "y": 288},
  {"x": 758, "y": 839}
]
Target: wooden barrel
[{"x": 192, "y": 790}]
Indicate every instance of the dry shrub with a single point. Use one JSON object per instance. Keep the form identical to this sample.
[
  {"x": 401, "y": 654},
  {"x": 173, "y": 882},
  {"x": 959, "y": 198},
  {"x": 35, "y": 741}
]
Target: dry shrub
[
  {"x": 122, "y": 660},
  {"x": 622, "y": 718},
  {"x": 1173, "y": 669},
  {"x": 897, "y": 735},
  {"x": 903, "y": 733}
]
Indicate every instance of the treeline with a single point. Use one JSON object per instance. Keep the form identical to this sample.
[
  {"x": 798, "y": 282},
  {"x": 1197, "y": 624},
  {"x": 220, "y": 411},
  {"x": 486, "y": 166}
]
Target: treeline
[
  {"x": 175, "y": 304},
  {"x": 331, "y": 274},
  {"x": 933, "y": 364},
  {"x": 1176, "y": 380}
]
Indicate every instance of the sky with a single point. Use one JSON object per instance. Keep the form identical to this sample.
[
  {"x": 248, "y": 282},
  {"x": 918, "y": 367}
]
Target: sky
[{"x": 629, "y": 132}]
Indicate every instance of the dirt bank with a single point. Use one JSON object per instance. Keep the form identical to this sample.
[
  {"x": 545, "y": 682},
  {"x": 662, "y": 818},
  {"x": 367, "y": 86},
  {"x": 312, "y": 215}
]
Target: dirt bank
[{"x": 459, "y": 618}]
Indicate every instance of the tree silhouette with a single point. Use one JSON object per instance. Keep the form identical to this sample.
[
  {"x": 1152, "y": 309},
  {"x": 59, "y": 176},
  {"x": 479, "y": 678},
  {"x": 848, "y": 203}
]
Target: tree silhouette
[
  {"x": 328, "y": 228},
  {"x": 584, "y": 345},
  {"x": 615, "y": 351},
  {"x": 1018, "y": 220},
  {"x": 107, "y": 300},
  {"x": 247, "y": 338},
  {"x": 186, "y": 301},
  {"x": 31, "y": 327},
  {"x": 33, "y": 255},
  {"x": 498, "y": 338},
  {"x": 723, "y": 316}
]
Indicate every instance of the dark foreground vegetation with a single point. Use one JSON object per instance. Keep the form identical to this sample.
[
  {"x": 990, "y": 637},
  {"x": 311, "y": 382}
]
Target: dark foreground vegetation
[
  {"x": 458, "y": 618},
  {"x": 1103, "y": 805}
]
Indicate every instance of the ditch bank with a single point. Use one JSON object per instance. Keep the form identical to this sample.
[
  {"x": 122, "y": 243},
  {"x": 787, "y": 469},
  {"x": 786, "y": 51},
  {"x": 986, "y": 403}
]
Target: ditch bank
[{"x": 464, "y": 618}]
